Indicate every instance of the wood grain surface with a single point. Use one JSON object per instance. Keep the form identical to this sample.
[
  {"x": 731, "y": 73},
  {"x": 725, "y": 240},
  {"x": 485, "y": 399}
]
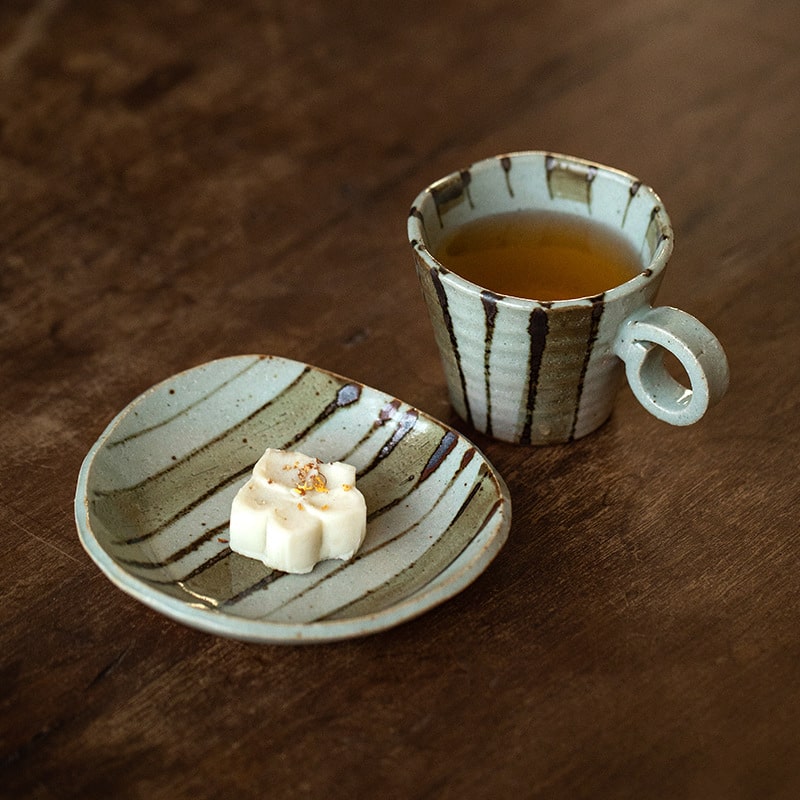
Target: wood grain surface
[{"x": 184, "y": 180}]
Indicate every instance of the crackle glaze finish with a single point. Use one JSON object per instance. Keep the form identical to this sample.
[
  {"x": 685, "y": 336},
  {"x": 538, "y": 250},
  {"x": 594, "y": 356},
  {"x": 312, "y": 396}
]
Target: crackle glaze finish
[{"x": 535, "y": 372}]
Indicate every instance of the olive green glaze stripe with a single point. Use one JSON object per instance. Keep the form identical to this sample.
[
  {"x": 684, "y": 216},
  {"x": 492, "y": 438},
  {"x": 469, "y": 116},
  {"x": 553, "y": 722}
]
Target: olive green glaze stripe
[
  {"x": 393, "y": 481},
  {"x": 454, "y": 189},
  {"x": 598, "y": 306},
  {"x": 383, "y": 475},
  {"x": 560, "y": 376},
  {"x": 317, "y": 381},
  {"x": 386, "y": 475},
  {"x": 206, "y": 536},
  {"x": 185, "y": 510},
  {"x": 410, "y": 486},
  {"x": 365, "y": 551},
  {"x": 569, "y": 181},
  {"x": 234, "y": 576},
  {"x": 268, "y": 576},
  {"x": 405, "y": 486},
  {"x": 348, "y": 394},
  {"x": 443, "y": 449},
  {"x": 405, "y": 424},
  {"x": 152, "y": 503},
  {"x": 222, "y": 581},
  {"x": 185, "y": 409},
  {"x": 217, "y": 558},
  {"x": 429, "y": 517},
  {"x": 218, "y": 577},
  {"x": 477, "y": 510}
]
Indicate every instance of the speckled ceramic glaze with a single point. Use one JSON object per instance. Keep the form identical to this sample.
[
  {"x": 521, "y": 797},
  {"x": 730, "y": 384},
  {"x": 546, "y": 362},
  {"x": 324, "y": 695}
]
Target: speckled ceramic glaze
[
  {"x": 548, "y": 372},
  {"x": 154, "y": 495}
]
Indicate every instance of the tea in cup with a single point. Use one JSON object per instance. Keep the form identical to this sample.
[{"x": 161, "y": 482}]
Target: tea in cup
[{"x": 539, "y": 272}]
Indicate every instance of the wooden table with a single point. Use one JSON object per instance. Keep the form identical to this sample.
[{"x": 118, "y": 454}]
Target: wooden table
[{"x": 187, "y": 180}]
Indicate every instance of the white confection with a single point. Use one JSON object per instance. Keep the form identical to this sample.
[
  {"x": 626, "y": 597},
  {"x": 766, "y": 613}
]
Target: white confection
[{"x": 295, "y": 511}]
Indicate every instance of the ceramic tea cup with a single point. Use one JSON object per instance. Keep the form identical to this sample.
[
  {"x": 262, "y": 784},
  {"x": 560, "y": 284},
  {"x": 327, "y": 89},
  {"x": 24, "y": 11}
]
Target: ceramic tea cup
[{"x": 535, "y": 371}]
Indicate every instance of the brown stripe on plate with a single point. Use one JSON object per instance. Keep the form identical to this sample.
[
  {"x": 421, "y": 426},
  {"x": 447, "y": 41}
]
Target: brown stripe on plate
[
  {"x": 186, "y": 409},
  {"x": 403, "y": 486},
  {"x": 165, "y": 496},
  {"x": 369, "y": 550},
  {"x": 211, "y": 586},
  {"x": 474, "y": 514},
  {"x": 195, "y": 544}
]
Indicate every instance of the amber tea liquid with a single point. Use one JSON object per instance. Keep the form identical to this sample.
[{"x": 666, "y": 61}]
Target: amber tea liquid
[{"x": 539, "y": 255}]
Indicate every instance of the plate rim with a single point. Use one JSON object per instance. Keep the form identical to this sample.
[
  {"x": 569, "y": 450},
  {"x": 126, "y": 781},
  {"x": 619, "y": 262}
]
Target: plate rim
[{"x": 262, "y": 631}]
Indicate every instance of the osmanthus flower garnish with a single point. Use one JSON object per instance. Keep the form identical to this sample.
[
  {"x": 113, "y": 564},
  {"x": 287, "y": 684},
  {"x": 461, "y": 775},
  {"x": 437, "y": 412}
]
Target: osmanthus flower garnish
[{"x": 296, "y": 510}]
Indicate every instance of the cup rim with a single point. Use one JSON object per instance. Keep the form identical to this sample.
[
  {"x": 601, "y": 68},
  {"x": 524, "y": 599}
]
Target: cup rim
[{"x": 649, "y": 273}]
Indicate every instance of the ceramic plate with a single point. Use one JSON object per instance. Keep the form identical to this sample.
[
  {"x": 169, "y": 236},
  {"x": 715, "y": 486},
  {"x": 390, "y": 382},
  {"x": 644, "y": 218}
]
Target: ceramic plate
[{"x": 154, "y": 496}]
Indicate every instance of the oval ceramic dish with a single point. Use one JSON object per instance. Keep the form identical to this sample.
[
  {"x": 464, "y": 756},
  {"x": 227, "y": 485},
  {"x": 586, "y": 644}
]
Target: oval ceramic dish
[{"x": 154, "y": 496}]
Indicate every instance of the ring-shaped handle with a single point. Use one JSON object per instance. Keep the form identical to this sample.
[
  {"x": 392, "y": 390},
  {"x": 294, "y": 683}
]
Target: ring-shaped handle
[{"x": 641, "y": 343}]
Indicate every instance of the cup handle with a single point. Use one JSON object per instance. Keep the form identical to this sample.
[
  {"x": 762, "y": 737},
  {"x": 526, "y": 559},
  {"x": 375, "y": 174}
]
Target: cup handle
[{"x": 641, "y": 342}]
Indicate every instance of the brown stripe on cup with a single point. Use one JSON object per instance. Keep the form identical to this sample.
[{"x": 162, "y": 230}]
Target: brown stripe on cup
[
  {"x": 633, "y": 190},
  {"x": 438, "y": 305},
  {"x": 489, "y": 302},
  {"x": 505, "y": 163},
  {"x": 652, "y": 236},
  {"x": 538, "y": 326}
]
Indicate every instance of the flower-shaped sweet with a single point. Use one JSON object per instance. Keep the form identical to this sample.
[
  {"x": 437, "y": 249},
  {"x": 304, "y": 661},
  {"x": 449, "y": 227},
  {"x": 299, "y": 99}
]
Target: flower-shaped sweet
[{"x": 296, "y": 510}]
